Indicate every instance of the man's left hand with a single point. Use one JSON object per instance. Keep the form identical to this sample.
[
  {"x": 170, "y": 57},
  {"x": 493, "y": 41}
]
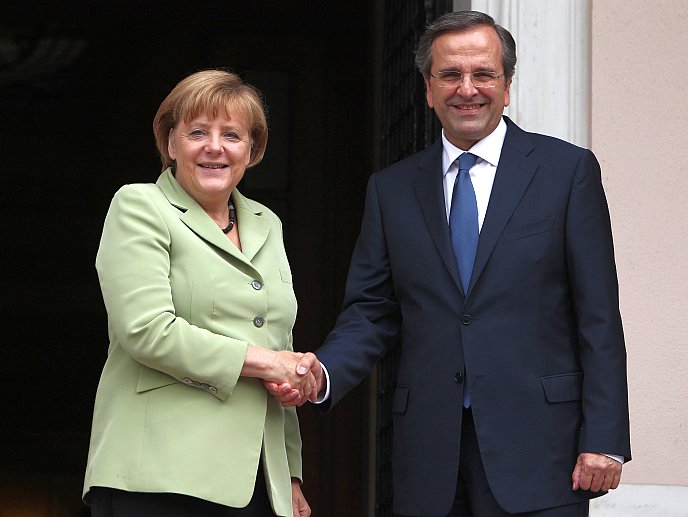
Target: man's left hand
[{"x": 596, "y": 472}]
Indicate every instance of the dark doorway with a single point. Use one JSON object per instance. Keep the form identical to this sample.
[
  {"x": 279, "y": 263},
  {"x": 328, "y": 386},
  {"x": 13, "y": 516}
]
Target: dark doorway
[{"x": 79, "y": 85}]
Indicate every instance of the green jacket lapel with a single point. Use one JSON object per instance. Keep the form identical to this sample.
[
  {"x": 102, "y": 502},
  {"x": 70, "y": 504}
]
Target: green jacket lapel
[{"x": 253, "y": 225}]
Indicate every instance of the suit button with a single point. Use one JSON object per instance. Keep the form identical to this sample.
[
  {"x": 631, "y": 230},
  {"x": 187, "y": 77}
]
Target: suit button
[
  {"x": 213, "y": 390},
  {"x": 466, "y": 319},
  {"x": 257, "y": 285},
  {"x": 458, "y": 377},
  {"x": 258, "y": 321}
]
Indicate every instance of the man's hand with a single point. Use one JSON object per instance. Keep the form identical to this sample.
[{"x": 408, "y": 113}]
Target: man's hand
[
  {"x": 596, "y": 472},
  {"x": 298, "y": 379},
  {"x": 309, "y": 369},
  {"x": 298, "y": 501},
  {"x": 283, "y": 368}
]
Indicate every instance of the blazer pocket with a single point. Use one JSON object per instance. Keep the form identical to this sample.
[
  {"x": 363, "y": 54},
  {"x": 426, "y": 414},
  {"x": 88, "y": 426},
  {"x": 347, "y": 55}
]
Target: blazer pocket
[
  {"x": 150, "y": 379},
  {"x": 522, "y": 231},
  {"x": 400, "y": 399},
  {"x": 285, "y": 274},
  {"x": 565, "y": 387}
]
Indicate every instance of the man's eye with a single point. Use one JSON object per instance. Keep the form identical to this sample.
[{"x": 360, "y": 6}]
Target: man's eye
[{"x": 451, "y": 75}]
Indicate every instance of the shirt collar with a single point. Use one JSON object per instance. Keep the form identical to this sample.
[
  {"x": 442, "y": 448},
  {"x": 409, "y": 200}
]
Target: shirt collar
[{"x": 488, "y": 149}]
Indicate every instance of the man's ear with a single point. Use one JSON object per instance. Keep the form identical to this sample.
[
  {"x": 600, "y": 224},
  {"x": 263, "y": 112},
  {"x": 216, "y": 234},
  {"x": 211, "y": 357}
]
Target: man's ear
[{"x": 428, "y": 92}]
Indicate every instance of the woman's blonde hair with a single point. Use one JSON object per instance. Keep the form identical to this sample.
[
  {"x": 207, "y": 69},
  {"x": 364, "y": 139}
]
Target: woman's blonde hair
[{"x": 212, "y": 92}]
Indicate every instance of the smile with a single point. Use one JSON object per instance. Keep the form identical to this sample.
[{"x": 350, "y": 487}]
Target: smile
[
  {"x": 468, "y": 106},
  {"x": 212, "y": 165}
]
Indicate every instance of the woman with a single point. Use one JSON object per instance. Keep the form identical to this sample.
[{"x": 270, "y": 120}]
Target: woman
[{"x": 200, "y": 308}]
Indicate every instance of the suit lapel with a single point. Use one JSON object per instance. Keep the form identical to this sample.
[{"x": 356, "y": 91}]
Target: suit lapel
[
  {"x": 254, "y": 226},
  {"x": 430, "y": 195},
  {"x": 512, "y": 178}
]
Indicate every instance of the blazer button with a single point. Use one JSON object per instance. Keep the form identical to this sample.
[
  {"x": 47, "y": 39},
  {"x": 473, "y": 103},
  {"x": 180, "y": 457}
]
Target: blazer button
[
  {"x": 458, "y": 377},
  {"x": 257, "y": 285},
  {"x": 258, "y": 321},
  {"x": 466, "y": 319}
]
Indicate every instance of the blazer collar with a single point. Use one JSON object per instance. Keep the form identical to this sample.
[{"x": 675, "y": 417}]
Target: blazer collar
[{"x": 253, "y": 223}]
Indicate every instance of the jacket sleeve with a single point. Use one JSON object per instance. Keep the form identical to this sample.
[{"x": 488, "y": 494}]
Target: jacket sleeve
[
  {"x": 133, "y": 264},
  {"x": 370, "y": 319},
  {"x": 594, "y": 286}
]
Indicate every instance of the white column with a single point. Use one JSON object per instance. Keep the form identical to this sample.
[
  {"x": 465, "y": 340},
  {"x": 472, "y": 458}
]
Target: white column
[{"x": 550, "y": 92}]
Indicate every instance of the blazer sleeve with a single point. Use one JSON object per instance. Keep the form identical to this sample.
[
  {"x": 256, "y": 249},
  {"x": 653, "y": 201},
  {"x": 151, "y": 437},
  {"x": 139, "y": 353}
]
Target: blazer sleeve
[
  {"x": 594, "y": 285},
  {"x": 133, "y": 264},
  {"x": 370, "y": 319}
]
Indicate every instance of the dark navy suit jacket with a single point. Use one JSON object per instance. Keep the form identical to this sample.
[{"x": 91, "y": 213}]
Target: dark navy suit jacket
[{"x": 538, "y": 333}]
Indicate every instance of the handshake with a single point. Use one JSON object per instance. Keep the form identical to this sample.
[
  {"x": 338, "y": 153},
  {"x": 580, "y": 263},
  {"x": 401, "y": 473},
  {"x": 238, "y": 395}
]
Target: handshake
[{"x": 295, "y": 378}]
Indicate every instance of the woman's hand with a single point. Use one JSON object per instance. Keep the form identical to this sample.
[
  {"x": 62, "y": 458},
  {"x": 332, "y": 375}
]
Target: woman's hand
[
  {"x": 296, "y": 371},
  {"x": 292, "y": 370},
  {"x": 298, "y": 501},
  {"x": 308, "y": 366}
]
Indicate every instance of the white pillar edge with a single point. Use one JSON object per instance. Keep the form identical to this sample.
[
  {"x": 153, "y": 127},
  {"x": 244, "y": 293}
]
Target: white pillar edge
[{"x": 550, "y": 93}]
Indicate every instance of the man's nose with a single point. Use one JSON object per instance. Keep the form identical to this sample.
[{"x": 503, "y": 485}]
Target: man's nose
[{"x": 466, "y": 88}]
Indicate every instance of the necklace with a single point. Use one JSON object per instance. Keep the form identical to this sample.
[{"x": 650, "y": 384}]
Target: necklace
[{"x": 232, "y": 219}]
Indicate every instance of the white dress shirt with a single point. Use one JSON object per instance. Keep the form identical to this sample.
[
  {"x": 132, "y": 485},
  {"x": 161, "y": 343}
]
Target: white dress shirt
[{"x": 482, "y": 173}]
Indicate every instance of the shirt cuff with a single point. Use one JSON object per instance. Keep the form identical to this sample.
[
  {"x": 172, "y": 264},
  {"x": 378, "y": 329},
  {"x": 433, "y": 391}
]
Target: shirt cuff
[
  {"x": 325, "y": 396},
  {"x": 620, "y": 459}
]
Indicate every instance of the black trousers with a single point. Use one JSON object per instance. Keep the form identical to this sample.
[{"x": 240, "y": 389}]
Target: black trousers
[
  {"x": 109, "y": 502},
  {"x": 473, "y": 495}
]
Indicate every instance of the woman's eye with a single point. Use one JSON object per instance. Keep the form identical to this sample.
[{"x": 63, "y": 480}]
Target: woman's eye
[
  {"x": 196, "y": 133},
  {"x": 232, "y": 137}
]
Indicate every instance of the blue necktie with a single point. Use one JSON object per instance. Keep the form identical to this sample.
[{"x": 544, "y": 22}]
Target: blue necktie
[
  {"x": 463, "y": 220},
  {"x": 463, "y": 224}
]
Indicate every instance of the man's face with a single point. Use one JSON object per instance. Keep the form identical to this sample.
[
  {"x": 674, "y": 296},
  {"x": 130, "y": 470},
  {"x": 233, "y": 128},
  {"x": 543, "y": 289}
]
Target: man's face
[{"x": 467, "y": 113}]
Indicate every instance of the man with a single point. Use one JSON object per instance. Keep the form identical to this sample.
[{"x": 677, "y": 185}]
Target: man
[{"x": 511, "y": 393}]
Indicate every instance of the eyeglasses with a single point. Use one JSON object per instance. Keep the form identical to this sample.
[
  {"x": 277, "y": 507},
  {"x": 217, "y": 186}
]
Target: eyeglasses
[{"x": 454, "y": 79}]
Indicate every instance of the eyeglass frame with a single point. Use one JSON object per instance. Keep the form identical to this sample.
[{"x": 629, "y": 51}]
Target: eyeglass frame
[{"x": 460, "y": 76}]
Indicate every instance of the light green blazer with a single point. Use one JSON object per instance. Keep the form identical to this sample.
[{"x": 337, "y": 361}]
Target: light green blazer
[{"x": 172, "y": 413}]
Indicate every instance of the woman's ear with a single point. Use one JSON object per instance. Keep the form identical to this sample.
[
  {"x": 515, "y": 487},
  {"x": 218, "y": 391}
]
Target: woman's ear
[{"x": 171, "y": 145}]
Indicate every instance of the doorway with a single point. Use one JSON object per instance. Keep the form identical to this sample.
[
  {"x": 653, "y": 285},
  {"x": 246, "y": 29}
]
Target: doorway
[{"x": 79, "y": 87}]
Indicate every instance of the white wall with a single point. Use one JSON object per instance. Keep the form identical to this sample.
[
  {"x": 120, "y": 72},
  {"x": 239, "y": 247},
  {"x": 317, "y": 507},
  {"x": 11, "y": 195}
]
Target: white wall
[{"x": 639, "y": 122}]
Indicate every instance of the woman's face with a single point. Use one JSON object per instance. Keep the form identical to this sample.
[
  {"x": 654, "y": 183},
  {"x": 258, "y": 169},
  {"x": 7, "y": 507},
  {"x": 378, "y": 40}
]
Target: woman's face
[{"x": 211, "y": 156}]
